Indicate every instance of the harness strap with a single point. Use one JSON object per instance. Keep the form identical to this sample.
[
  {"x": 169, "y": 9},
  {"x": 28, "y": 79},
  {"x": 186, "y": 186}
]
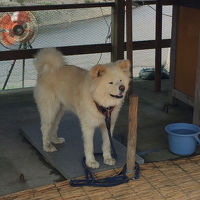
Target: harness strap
[
  {"x": 106, "y": 182},
  {"x": 108, "y": 121},
  {"x": 109, "y": 181},
  {"x": 103, "y": 110}
]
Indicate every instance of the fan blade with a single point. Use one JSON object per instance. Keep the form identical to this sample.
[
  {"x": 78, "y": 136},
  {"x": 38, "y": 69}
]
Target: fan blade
[
  {"x": 23, "y": 17},
  {"x": 7, "y": 39},
  {"x": 6, "y": 22}
]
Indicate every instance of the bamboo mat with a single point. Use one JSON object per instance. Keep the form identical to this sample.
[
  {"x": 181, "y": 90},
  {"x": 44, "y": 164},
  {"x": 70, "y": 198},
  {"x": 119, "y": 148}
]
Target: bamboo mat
[{"x": 179, "y": 179}]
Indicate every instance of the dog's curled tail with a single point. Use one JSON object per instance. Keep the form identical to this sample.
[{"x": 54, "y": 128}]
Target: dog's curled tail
[{"x": 48, "y": 60}]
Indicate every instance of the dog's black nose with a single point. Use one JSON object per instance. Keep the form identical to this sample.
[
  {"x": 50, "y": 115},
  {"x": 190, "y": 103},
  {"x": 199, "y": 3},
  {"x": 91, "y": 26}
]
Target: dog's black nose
[{"x": 121, "y": 88}]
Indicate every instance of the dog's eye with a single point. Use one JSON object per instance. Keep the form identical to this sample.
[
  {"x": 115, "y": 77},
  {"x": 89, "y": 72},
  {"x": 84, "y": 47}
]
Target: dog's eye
[{"x": 111, "y": 82}]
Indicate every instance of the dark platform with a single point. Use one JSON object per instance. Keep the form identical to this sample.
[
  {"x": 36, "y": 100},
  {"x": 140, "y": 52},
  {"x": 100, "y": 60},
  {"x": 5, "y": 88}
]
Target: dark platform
[{"x": 67, "y": 160}]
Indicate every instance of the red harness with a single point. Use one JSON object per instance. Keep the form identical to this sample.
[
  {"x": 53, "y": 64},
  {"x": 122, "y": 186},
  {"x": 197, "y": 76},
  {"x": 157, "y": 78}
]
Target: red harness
[{"x": 103, "y": 110}]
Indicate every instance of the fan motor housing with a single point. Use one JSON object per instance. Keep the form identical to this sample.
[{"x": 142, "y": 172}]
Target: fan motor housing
[{"x": 18, "y": 29}]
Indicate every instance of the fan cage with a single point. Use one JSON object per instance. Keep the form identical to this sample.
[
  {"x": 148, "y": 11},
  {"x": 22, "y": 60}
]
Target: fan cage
[{"x": 18, "y": 29}]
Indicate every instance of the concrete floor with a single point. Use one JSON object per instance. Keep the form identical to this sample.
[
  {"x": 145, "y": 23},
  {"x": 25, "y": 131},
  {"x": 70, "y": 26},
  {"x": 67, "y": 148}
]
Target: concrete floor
[
  {"x": 22, "y": 167},
  {"x": 152, "y": 141}
]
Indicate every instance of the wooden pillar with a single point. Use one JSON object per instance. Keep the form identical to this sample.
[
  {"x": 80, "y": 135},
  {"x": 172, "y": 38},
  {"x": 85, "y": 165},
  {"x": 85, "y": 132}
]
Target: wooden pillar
[
  {"x": 172, "y": 100},
  {"x": 132, "y": 135},
  {"x": 158, "y": 51},
  {"x": 196, "y": 107},
  {"x": 129, "y": 42},
  {"x": 129, "y": 46},
  {"x": 118, "y": 30}
]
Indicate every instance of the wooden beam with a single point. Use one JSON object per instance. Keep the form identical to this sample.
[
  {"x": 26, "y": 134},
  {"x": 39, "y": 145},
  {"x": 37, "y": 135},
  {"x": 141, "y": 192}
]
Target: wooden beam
[
  {"x": 82, "y": 5},
  {"x": 183, "y": 97},
  {"x": 150, "y": 44},
  {"x": 55, "y": 7},
  {"x": 132, "y": 135},
  {"x": 190, "y": 4},
  {"x": 70, "y": 50},
  {"x": 118, "y": 30},
  {"x": 158, "y": 51},
  {"x": 142, "y": 3},
  {"x": 196, "y": 107},
  {"x": 81, "y": 49}
]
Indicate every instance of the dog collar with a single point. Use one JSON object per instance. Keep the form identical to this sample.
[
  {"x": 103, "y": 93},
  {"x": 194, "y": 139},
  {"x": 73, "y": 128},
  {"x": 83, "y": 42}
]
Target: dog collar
[{"x": 103, "y": 110}]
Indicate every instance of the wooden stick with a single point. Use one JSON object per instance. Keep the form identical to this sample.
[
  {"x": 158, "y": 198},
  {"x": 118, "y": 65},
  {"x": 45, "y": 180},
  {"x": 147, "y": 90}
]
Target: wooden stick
[
  {"x": 133, "y": 100},
  {"x": 132, "y": 135}
]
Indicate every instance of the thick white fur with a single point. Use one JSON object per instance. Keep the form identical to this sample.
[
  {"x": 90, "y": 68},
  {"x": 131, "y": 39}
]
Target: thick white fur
[{"x": 63, "y": 87}]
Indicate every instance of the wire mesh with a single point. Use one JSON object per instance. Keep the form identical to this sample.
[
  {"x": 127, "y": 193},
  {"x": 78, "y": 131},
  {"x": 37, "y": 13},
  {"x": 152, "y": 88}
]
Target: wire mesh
[
  {"x": 89, "y": 60},
  {"x": 144, "y": 18},
  {"x": 84, "y": 26},
  {"x": 63, "y": 28},
  {"x": 143, "y": 59},
  {"x": 146, "y": 59},
  {"x": 71, "y": 27},
  {"x": 167, "y": 22},
  {"x": 15, "y": 80}
]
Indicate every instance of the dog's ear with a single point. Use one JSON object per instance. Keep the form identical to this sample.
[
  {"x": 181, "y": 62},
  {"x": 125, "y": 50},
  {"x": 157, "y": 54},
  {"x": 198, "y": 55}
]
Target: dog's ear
[
  {"x": 97, "y": 71},
  {"x": 124, "y": 65}
]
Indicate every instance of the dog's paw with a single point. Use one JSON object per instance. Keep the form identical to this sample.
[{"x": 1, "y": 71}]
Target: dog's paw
[
  {"x": 58, "y": 140},
  {"x": 49, "y": 148},
  {"x": 109, "y": 161},
  {"x": 92, "y": 164}
]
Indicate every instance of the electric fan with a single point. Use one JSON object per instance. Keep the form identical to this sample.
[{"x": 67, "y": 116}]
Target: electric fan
[{"x": 18, "y": 30}]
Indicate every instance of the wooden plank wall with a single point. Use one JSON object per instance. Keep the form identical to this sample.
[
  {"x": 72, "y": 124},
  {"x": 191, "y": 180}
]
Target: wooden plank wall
[{"x": 188, "y": 29}]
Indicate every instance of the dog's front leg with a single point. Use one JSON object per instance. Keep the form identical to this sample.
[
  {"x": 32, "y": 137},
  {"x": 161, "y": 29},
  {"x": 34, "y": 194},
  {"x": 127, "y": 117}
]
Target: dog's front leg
[
  {"x": 88, "y": 133},
  {"x": 108, "y": 160}
]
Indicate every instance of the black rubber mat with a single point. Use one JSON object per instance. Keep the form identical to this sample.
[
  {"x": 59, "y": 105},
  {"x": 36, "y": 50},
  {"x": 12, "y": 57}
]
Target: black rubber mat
[{"x": 67, "y": 160}]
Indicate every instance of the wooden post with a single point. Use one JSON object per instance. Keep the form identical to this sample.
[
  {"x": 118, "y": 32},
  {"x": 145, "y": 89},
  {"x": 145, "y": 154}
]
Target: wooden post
[
  {"x": 172, "y": 100},
  {"x": 129, "y": 46},
  {"x": 196, "y": 107},
  {"x": 158, "y": 51},
  {"x": 129, "y": 43},
  {"x": 132, "y": 135},
  {"x": 118, "y": 30}
]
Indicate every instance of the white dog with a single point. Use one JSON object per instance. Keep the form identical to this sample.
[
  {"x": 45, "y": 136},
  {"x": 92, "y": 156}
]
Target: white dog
[{"x": 63, "y": 87}]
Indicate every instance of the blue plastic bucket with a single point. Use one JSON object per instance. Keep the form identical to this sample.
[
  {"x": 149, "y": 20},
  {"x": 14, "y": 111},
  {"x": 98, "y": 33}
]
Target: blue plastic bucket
[{"x": 183, "y": 138}]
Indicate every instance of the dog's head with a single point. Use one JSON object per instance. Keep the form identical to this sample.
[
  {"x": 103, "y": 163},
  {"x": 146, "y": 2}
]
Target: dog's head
[{"x": 110, "y": 82}]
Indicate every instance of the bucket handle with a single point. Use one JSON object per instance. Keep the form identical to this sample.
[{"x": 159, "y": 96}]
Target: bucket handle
[{"x": 197, "y": 138}]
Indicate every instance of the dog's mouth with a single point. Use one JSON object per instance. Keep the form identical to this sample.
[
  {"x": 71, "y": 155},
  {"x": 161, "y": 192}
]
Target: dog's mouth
[{"x": 116, "y": 96}]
